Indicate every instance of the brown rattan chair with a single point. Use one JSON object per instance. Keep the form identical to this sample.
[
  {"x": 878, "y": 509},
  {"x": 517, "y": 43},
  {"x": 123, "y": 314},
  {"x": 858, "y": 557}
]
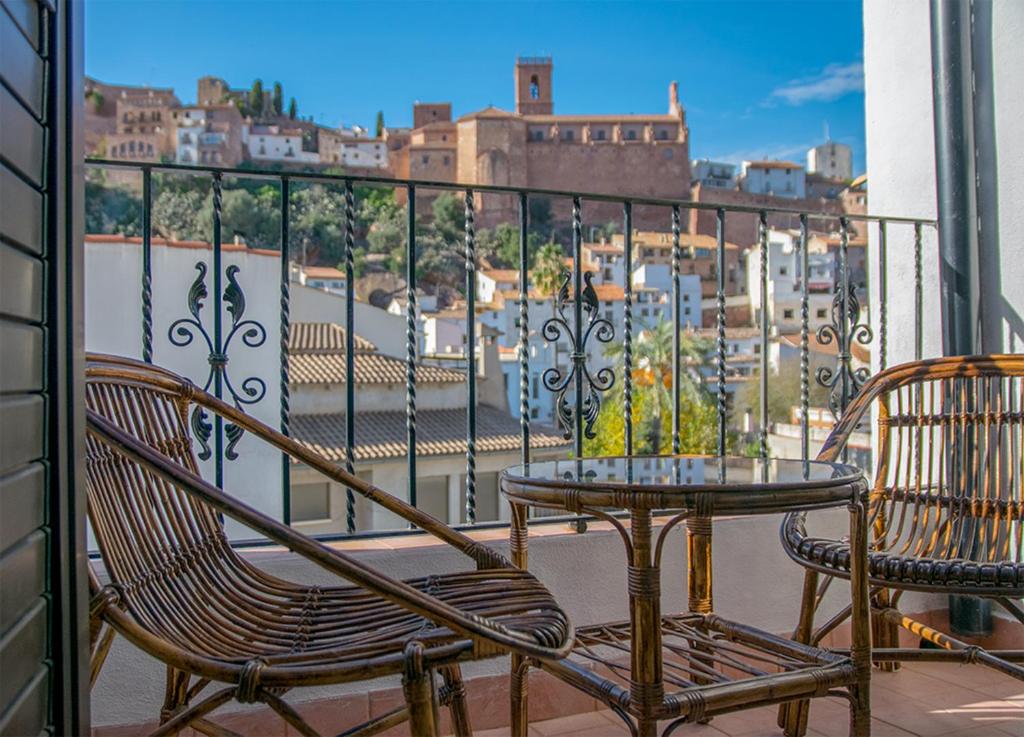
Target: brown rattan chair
[
  {"x": 180, "y": 592},
  {"x": 946, "y": 506}
]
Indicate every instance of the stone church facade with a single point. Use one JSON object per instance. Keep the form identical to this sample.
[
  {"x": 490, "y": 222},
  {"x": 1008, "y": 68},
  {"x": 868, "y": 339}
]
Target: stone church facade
[{"x": 642, "y": 155}]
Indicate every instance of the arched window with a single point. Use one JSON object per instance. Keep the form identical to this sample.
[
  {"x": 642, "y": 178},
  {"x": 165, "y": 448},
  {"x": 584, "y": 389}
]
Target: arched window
[{"x": 534, "y": 87}]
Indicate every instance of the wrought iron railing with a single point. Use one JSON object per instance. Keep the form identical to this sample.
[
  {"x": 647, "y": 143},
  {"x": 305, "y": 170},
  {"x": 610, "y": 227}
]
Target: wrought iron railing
[{"x": 578, "y": 389}]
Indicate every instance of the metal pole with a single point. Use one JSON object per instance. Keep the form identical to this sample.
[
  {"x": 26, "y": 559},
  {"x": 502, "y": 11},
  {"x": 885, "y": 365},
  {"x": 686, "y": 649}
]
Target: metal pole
[{"x": 955, "y": 173}]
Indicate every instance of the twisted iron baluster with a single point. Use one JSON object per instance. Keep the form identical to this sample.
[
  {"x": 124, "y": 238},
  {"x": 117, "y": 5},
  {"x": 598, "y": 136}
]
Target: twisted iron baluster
[
  {"x": 218, "y": 359},
  {"x": 883, "y": 307},
  {"x": 350, "y": 349},
  {"x": 147, "y": 265},
  {"x": 285, "y": 310},
  {"x": 720, "y": 322},
  {"x": 805, "y": 368},
  {"x": 470, "y": 361},
  {"x": 676, "y": 319},
  {"x": 763, "y": 239},
  {"x": 918, "y": 296},
  {"x": 627, "y": 329},
  {"x": 410, "y": 344},
  {"x": 842, "y": 381},
  {"x": 524, "y": 328}
]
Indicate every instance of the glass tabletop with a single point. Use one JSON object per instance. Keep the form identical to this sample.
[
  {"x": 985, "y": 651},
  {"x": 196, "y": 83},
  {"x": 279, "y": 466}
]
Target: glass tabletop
[{"x": 682, "y": 474}]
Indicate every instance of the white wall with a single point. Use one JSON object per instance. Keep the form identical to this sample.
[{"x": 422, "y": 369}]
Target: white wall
[
  {"x": 900, "y": 159},
  {"x": 383, "y": 329},
  {"x": 318, "y": 399},
  {"x": 113, "y": 324}
]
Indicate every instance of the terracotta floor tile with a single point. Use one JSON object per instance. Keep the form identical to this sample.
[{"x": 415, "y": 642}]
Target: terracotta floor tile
[{"x": 595, "y": 721}]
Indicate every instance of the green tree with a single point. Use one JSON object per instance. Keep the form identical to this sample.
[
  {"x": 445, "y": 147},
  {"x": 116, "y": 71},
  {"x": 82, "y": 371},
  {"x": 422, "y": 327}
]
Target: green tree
[
  {"x": 176, "y": 214},
  {"x": 783, "y": 393},
  {"x": 540, "y": 217},
  {"x": 293, "y": 108},
  {"x": 278, "y": 99},
  {"x": 256, "y": 99},
  {"x": 254, "y": 217},
  {"x": 111, "y": 209},
  {"x": 548, "y": 269},
  {"x": 379, "y": 127},
  {"x": 651, "y": 412},
  {"x": 318, "y": 224}
]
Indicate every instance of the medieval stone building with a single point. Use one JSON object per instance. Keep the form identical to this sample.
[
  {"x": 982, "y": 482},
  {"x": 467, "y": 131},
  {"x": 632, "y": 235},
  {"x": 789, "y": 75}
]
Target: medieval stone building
[{"x": 643, "y": 155}]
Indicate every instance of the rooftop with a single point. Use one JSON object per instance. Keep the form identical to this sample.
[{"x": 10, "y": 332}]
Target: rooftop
[{"x": 383, "y": 435}]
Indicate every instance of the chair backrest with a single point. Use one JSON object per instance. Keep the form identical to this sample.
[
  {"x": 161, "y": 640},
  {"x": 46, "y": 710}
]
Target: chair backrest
[
  {"x": 949, "y": 473},
  {"x": 144, "y": 526}
]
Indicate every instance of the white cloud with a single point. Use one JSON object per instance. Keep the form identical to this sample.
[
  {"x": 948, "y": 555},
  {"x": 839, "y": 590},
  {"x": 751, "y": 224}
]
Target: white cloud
[
  {"x": 770, "y": 152},
  {"x": 831, "y": 83}
]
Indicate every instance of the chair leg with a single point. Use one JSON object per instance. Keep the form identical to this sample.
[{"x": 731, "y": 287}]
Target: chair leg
[
  {"x": 453, "y": 696},
  {"x": 519, "y": 679},
  {"x": 175, "y": 694},
  {"x": 885, "y": 633},
  {"x": 860, "y": 712},
  {"x": 418, "y": 685},
  {"x": 793, "y": 715}
]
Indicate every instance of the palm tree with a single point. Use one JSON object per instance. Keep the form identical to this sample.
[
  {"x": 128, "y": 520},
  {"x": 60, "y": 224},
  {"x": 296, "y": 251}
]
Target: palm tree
[
  {"x": 652, "y": 374},
  {"x": 546, "y": 277}
]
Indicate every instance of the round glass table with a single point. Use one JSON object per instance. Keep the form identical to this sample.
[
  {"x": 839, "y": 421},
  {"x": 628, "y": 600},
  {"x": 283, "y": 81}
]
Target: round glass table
[{"x": 689, "y": 667}]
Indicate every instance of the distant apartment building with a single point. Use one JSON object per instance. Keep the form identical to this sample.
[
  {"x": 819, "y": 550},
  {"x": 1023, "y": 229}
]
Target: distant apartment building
[
  {"x": 785, "y": 282},
  {"x": 208, "y": 134},
  {"x": 278, "y": 144},
  {"x": 127, "y": 122},
  {"x": 777, "y": 178},
  {"x": 832, "y": 160},
  {"x": 533, "y": 147},
  {"x": 713, "y": 173},
  {"x": 699, "y": 256}
]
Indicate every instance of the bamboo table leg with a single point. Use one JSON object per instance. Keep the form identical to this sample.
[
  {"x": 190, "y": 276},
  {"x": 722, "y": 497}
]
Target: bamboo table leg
[
  {"x": 646, "y": 687},
  {"x": 698, "y": 580}
]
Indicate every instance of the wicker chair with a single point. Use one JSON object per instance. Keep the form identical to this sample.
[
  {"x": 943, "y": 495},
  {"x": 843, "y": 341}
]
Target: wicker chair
[
  {"x": 946, "y": 507},
  {"x": 182, "y": 594}
]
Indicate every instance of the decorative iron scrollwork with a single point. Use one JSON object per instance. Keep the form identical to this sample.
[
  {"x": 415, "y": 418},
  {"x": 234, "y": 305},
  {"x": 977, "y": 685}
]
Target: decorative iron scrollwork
[
  {"x": 843, "y": 381},
  {"x": 183, "y": 332},
  {"x": 593, "y": 384}
]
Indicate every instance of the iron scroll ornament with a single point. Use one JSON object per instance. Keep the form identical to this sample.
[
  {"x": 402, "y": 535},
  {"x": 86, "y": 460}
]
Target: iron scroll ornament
[
  {"x": 183, "y": 331},
  {"x": 843, "y": 330},
  {"x": 594, "y": 384}
]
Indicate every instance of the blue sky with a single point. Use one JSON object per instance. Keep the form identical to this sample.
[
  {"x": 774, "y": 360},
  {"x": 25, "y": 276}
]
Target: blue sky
[{"x": 757, "y": 79}]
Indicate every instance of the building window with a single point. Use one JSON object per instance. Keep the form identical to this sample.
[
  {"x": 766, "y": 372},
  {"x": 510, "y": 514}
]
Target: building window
[
  {"x": 426, "y": 159},
  {"x": 534, "y": 88},
  {"x": 686, "y": 298},
  {"x": 568, "y": 135},
  {"x": 662, "y": 135},
  {"x": 783, "y": 270},
  {"x": 631, "y": 135},
  {"x": 447, "y": 160},
  {"x": 787, "y": 314},
  {"x": 599, "y": 135},
  {"x": 537, "y": 135},
  {"x": 822, "y": 313}
]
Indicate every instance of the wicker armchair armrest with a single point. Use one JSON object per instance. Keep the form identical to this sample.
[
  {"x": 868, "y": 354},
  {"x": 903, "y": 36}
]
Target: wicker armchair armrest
[{"x": 402, "y": 594}]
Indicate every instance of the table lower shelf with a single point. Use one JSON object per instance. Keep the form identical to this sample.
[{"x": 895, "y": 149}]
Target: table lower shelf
[{"x": 710, "y": 666}]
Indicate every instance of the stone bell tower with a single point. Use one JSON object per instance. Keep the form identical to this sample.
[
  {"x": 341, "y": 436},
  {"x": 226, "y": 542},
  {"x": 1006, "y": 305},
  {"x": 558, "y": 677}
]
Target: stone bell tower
[{"x": 533, "y": 85}]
